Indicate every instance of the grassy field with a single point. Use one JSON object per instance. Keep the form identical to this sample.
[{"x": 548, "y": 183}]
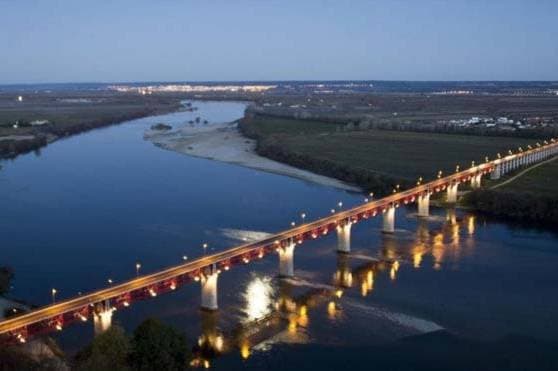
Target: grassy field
[
  {"x": 403, "y": 155},
  {"x": 541, "y": 181}
]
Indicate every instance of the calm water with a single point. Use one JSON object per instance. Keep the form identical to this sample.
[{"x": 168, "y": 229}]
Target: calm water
[{"x": 88, "y": 208}]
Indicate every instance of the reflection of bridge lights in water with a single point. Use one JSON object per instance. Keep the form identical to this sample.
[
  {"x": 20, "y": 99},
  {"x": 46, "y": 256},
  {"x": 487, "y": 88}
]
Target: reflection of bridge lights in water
[
  {"x": 418, "y": 251},
  {"x": 393, "y": 270},
  {"x": 259, "y": 298},
  {"x": 471, "y": 225},
  {"x": 245, "y": 350},
  {"x": 367, "y": 284}
]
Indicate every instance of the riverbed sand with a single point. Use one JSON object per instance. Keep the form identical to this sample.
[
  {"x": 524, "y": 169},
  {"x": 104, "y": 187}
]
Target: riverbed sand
[{"x": 224, "y": 142}]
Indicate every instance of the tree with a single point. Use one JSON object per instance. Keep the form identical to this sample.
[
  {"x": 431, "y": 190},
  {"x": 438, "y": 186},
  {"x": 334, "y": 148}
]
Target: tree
[
  {"x": 108, "y": 351},
  {"x": 158, "y": 347}
]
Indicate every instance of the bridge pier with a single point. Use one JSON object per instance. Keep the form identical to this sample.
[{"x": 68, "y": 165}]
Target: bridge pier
[
  {"x": 389, "y": 220},
  {"x": 102, "y": 317},
  {"x": 423, "y": 202},
  {"x": 209, "y": 288},
  {"x": 476, "y": 181},
  {"x": 344, "y": 237},
  {"x": 286, "y": 259},
  {"x": 495, "y": 175},
  {"x": 452, "y": 193}
]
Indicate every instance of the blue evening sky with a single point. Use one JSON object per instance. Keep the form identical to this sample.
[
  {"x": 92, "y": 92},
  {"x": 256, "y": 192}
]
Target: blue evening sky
[{"x": 170, "y": 40}]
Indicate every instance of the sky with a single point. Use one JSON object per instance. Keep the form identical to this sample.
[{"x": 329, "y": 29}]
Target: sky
[{"x": 238, "y": 40}]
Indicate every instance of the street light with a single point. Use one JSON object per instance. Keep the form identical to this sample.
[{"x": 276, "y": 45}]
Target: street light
[
  {"x": 110, "y": 281},
  {"x": 53, "y": 292},
  {"x": 293, "y": 224},
  {"x": 332, "y": 211},
  {"x": 439, "y": 174},
  {"x": 303, "y": 216},
  {"x": 138, "y": 266},
  {"x": 340, "y": 204},
  {"x": 184, "y": 257}
]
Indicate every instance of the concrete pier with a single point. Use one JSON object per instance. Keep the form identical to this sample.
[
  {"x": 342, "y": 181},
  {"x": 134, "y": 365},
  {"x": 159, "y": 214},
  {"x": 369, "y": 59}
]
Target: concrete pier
[
  {"x": 209, "y": 288},
  {"x": 389, "y": 220},
  {"x": 286, "y": 260},
  {"x": 423, "y": 202},
  {"x": 344, "y": 237}
]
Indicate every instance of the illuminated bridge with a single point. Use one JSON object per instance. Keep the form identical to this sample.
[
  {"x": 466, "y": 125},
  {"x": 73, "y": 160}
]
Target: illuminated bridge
[{"x": 100, "y": 304}]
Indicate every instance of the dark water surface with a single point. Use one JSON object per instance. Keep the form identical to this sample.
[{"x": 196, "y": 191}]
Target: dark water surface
[{"x": 89, "y": 207}]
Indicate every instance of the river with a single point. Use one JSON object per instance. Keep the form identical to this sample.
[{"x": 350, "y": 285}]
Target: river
[{"x": 87, "y": 208}]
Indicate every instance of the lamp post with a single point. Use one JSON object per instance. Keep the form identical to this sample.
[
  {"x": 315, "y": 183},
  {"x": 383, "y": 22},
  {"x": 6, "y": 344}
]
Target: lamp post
[
  {"x": 53, "y": 293},
  {"x": 138, "y": 266}
]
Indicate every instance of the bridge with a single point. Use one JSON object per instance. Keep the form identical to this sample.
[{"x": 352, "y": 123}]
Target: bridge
[{"x": 99, "y": 305}]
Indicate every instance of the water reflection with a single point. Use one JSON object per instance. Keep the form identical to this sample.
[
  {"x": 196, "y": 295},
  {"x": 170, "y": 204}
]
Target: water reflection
[
  {"x": 258, "y": 297},
  {"x": 280, "y": 310}
]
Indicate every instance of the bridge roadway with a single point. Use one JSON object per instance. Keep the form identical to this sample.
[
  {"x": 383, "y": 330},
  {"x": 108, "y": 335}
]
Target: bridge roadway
[
  {"x": 56, "y": 315},
  {"x": 224, "y": 258}
]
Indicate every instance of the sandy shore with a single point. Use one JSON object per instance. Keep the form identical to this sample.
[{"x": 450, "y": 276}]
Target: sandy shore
[{"x": 223, "y": 142}]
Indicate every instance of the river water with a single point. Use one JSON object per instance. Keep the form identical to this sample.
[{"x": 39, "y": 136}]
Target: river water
[{"x": 89, "y": 207}]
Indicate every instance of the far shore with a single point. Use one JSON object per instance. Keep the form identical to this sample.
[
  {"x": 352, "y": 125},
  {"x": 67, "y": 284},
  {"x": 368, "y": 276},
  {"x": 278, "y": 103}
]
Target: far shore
[{"x": 224, "y": 142}]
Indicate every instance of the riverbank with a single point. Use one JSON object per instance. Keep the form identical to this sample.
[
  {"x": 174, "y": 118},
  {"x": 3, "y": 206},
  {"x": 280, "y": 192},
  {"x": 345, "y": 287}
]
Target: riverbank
[
  {"x": 528, "y": 196},
  {"x": 41, "y": 118},
  {"x": 224, "y": 142}
]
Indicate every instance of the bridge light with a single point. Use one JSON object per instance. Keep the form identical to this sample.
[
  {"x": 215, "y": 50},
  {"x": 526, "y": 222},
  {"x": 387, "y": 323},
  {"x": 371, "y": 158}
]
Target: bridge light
[
  {"x": 58, "y": 326},
  {"x": 109, "y": 281},
  {"x": 152, "y": 293},
  {"x": 126, "y": 304},
  {"x": 439, "y": 174},
  {"x": 332, "y": 211},
  {"x": 486, "y": 159},
  {"x": 226, "y": 267},
  {"x": 196, "y": 278},
  {"x": 303, "y": 216},
  {"x": 457, "y": 169},
  {"x": 138, "y": 266},
  {"x": 472, "y": 163},
  {"x": 53, "y": 293},
  {"x": 293, "y": 224},
  {"x": 246, "y": 260},
  {"x": 340, "y": 204}
]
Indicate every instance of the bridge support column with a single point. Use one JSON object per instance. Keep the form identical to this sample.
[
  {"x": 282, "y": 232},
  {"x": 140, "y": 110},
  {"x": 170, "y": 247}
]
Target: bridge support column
[
  {"x": 389, "y": 220},
  {"x": 344, "y": 237},
  {"x": 102, "y": 317},
  {"x": 286, "y": 260},
  {"x": 476, "y": 181},
  {"x": 495, "y": 175},
  {"x": 423, "y": 202},
  {"x": 452, "y": 193},
  {"x": 209, "y": 288}
]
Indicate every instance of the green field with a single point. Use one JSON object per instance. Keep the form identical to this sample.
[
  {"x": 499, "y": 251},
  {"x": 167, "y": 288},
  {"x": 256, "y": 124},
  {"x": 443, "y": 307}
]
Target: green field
[
  {"x": 398, "y": 154},
  {"x": 542, "y": 181}
]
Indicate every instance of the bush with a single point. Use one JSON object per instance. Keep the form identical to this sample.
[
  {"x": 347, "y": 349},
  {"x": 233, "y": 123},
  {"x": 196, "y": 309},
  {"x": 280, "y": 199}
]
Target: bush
[{"x": 158, "y": 347}]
